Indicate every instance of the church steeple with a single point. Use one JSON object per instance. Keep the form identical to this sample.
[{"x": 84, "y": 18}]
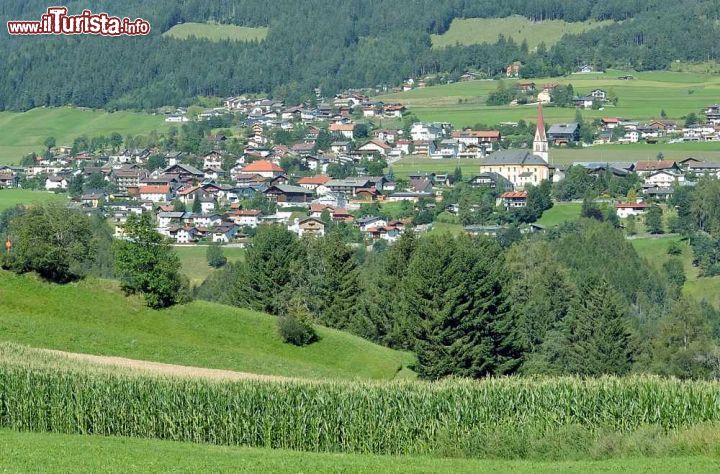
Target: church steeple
[{"x": 540, "y": 145}]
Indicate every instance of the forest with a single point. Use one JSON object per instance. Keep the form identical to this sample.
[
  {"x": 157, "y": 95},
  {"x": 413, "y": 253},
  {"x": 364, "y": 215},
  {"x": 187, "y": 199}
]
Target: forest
[
  {"x": 326, "y": 44},
  {"x": 558, "y": 303}
]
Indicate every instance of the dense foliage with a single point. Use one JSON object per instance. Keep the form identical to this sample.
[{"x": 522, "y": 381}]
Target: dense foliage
[
  {"x": 146, "y": 264},
  {"x": 478, "y": 306},
  {"x": 327, "y": 44},
  {"x": 51, "y": 240}
]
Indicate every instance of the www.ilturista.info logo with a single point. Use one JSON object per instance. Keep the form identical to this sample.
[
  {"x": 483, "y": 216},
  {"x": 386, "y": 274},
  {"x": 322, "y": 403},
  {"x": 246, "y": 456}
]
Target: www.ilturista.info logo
[{"x": 57, "y": 22}]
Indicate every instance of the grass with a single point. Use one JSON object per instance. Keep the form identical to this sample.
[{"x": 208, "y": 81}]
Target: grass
[
  {"x": 94, "y": 317},
  {"x": 561, "y": 212},
  {"x": 654, "y": 249},
  {"x": 194, "y": 261},
  {"x": 216, "y": 32},
  {"x": 678, "y": 93},
  {"x": 12, "y": 197},
  {"x": 466, "y": 31},
  {"x": 40, "y": 452},
  {"x": 25, "y": 132},
  {"x": 415, "y": 164}
]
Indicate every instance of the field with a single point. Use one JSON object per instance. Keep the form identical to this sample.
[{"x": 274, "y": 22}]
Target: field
[
  {"x": 194, "y": 260},
  {"x": 487, "y": 30},
  {"x": 93, "y": 317},
  {"x": 561, "y": 212},
  {"x": 654, "y": 249},
  {"x": 41, "y": 452},
  {"x": 12, "y": 197},
  {"x": 539, "y": 418},
  {"x": 25, "y": 132},
  {"x": 463, "y": 103},
  {"x": 415, "y": 164},
  {"x": 216, "y": 32}
]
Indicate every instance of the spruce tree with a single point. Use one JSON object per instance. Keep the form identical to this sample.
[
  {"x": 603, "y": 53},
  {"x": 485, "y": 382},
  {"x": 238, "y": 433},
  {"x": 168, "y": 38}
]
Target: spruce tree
[
  {"x": 597, "y": 338},
  {"x": 339, "y": 284},
  {"x": 271, "y": 260},
  {"x": 453, "y": 302}
]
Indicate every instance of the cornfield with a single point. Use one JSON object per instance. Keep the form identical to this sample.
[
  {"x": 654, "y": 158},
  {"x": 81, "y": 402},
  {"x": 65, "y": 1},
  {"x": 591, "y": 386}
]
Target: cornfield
[{"x": 390, "y": 418}]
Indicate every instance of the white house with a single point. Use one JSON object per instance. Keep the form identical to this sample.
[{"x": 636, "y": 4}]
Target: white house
[
  {"x": 664, "y": 179},
  {"x": 376, "y": 146},
  {"x": 247, "y": 217},
  {"x": 368, "y": 222},
  {"x": 425, "y": 132},
  {"x": 224, "y": 233},
  {"x": 207, "y": 220},
  {"x": 56, "y": 182},
  {"x": 213, "y": 160},
  {"x": 156, "y": 193},
  {"x": 627, "y": 209}
]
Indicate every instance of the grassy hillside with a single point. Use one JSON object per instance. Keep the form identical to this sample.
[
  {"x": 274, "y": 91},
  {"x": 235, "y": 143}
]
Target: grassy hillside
[
  {"x": 643, "y": 98},
  {"x": 94, "y": 317},
  {"x": 12, "y": 197},
  {"x": 194, "y": 261},
  {"x": 41, "y": 452},
  {"x": 467, "y": 31},
  {"x": 216, "y": 32},
  {"x": 25, "y": 132},
  {"x": 654, "y": 249}
]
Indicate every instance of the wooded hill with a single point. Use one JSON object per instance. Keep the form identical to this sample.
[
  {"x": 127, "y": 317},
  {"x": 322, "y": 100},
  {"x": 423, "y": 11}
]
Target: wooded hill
[{"x": 327, "y": 44}]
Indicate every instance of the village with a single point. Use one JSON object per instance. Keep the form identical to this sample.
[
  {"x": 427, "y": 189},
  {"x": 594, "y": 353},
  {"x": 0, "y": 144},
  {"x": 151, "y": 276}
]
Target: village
[{"x": 220, "y": 197}]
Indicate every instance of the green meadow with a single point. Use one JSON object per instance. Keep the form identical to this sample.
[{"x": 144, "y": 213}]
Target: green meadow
[
  {"x": 463, "y": 103},
  {"x": 44, "y": 452},
  {"x": 466, "y": 31},
  {"x": 13, "y": 197},
  {"x": 25, "y": 132},
  {"x": 561, "y": 212},
  {"x": 93, "y": 317},
  {"x": 216, "y": 32},
  {"x": 654, "y": 249},
  {"x": 194, "y": 260}
]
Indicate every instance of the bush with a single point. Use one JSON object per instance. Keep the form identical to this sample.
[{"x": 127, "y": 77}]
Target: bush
[
  {"x": 297, "y": 329},
  {"x": 674, "y": 248},
  {"x": 215, "y": 256}
]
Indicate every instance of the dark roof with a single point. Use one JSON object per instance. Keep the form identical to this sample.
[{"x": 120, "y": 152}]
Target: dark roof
[{"x": 512, "y": 157}]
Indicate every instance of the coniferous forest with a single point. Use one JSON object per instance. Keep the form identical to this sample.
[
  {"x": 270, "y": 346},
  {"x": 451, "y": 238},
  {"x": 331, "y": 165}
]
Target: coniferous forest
[{"x": 327, "y": 44}]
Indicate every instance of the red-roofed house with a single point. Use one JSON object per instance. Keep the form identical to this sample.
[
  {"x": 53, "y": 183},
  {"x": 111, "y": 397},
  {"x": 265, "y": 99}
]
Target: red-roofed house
[
  {"x": 644, "y": 168},
  {"x": 157, "y": 193},
  {"x": 513, "y": 199},
  {"x": 312, "y": 182},
  {"x": 375, "y": 146},
  {"x": 264, "y": 168},
  {"x": 343, "y": 129}
]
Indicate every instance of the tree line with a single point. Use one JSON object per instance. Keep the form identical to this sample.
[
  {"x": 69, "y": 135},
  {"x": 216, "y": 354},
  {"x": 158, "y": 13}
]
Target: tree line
[
  {"x": 327, "y": 44},
  {"x": 577, "y": 300}
]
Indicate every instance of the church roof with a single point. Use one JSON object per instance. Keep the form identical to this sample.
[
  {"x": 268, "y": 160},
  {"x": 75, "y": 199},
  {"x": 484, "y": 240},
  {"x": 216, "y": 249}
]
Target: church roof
[{"x": 512, "y": 157}]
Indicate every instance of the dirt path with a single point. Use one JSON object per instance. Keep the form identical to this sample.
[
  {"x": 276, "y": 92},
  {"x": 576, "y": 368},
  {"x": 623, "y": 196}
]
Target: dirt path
[{"x": 172, "y": 370}]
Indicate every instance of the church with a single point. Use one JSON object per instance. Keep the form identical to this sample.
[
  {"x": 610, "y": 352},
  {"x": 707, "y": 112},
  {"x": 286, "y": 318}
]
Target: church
[{"x": 522, "y": 167}]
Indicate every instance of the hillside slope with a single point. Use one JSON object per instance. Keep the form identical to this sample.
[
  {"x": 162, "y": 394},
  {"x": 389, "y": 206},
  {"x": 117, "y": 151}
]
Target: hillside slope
[{"x": 93, "y": 317}]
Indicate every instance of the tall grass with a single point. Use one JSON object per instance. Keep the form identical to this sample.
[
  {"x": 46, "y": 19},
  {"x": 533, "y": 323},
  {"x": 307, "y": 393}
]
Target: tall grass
[{"x": 453, "y": 417}]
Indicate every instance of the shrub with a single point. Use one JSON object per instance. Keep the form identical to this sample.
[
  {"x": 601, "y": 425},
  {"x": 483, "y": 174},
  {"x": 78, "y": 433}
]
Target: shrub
[
  {"x": 674, "y": 248},
  {"x": 296, "y": 328},
  {"x": 215, "y": 256}
]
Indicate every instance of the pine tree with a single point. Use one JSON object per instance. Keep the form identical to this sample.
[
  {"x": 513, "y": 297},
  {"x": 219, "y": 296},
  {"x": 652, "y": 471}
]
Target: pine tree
[
  {"x": 453, "y": 302},
  {"x": 597, "y": 338},
  {"x": 339, "y": 283},
  {"x": 271, "y": 261}
]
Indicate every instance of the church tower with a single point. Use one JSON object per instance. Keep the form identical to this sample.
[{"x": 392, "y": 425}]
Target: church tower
[{"x": 540, "y": 145}]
